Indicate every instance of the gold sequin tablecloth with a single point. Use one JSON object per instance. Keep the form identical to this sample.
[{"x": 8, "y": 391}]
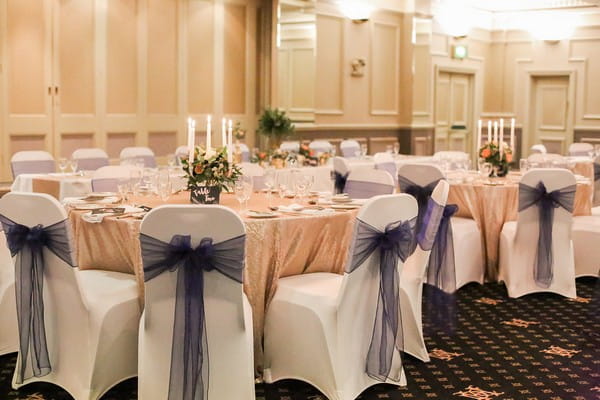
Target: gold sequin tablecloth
[{"x": 275, "y": 248}]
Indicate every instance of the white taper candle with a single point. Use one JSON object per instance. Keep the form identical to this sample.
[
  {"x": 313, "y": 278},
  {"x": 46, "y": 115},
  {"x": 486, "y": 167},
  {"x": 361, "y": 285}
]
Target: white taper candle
[
  {"x": 512, "y": 134},
  {"x": 230, "y": 142},
  {"x": 208, "y": 132},
  {"x": 489, "y": 138}
]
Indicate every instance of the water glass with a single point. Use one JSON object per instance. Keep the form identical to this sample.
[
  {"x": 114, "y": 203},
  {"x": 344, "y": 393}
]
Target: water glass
[
  {"x": 135, "y": 179},
  {"x": 363, "y": 150},
  {"x": 270, "y": 178},
  {"x": 396, "y": 148},
  {"x": 63, "y": 163},
  {"x": 73, "y": 165},
  {"x": 523, "y": 165},
  {"x": 123, "y": 188},
  {"x": 171, "y": 160},
  {"x": 485, "y": 169}
]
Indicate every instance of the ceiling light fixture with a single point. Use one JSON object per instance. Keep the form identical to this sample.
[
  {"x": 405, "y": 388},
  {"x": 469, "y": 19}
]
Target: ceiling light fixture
[{"x": 358, "y": 11}]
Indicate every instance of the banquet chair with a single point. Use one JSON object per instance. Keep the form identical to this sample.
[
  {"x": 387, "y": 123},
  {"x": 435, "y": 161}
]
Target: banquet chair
[
  {"x": 538, "y": 149},
  {"x": 581, "y": 149},
  {"x": 350, "y": 148},
  {"x": 468, "y": 244},
  {"x": 144, "y": 153},
  {"x": 9, "y": 336},
  {"x": 32, "y": 162},
  {"x": 365, "y": 183},
  {"x": 586, "y": 249},
  {"x": 90, "y": 159},
  {"x": 245, "y": 152},
  {"x": 320, "y": 146},
  {"x": 596, "y": 183},
  {"x": 106, "y": 179},
  {"x": 530, "y": 263},
  {"x": 181, "y": 152},
  {"x": 225, "y": 336},
  {"x": 292, "y": 146},
  {"x": 412, "y": 279},
  {"x": 88, "y": 318},
  {"x": 341, "y": 170},
  {"x": 319, "y": 327},
  {"x": 256, "y": 172},
  {"x": 385, "y": 162}
]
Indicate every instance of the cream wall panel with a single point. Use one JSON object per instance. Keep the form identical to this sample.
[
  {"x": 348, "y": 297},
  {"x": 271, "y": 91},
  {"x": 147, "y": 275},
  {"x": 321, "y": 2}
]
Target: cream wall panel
[
  {"x": 161, "y": 63},
  {"x": 439, "y": 44},
  {"x": 121, "y": 57},
  {"x": 385, "y": 49},
  {"x": 73, "y": 141},
  {"x": 330, "y": 59},
  {"x": 200, "y": 56},
  {"x": 234, "y": 79},
  {"x": 28, "y": 64},
  {"x": 302, "y": 98},
  {"x": 588, "y": 106},
  {"x": 283, "y": 76},
  {"x": 494, "y": 78},
  {"x": 513, "y": 52},
  {"x": 162, "y": 143},
  {"x": 422, "y": 82},
  {"x": 21, "y": 142},
  {"x": 76, "y": 57},
  {"x": 116, "y": 141}
]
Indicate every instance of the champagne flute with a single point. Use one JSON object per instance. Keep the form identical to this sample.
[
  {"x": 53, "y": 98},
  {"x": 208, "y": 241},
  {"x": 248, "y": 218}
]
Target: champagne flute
[
  {"x": 270, "y": 177},
  {"x": 248, "y": 188},
  {"x": 73, "y": 165},
  {"x": 396, "y": 148},
  {"x": 62, "y": 164},
  {"x": 123, "y": 188}
]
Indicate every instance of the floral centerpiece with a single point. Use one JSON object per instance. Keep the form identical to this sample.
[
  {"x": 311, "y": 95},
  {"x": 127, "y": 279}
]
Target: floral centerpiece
[
  {"x": 278, "y": 157},
  {"x": 490, "y": 153},
  {"x": 275, "y": 125},
  {"x": 208, "y": 174},
  {"x": 259, "y": 157}
]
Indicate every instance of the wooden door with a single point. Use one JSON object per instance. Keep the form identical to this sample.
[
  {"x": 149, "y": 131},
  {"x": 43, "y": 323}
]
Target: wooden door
[
  {"x": 454, "y": 103},
  {"x": 550, "y": 124},
  {"x": 28, "y": 92}
]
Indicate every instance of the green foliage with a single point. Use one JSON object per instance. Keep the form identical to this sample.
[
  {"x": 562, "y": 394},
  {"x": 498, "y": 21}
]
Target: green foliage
[
  {"x": 210, "y": 169},
  {"x": 275, "y": 123}
]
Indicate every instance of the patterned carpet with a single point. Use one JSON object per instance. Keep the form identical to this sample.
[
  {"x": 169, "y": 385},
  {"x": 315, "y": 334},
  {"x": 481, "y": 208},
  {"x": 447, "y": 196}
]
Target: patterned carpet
[{"x": 540, "y": 347}]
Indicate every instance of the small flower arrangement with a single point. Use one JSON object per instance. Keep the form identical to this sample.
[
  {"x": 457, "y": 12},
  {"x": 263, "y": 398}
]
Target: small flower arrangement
[
  {"x": 210, "y": 168},
  {"x": 259, "y": 157},
  {"x": 275, "y": 125},
  {"x": 490, "y": 153},
  {"x": 238, "y": 132}
]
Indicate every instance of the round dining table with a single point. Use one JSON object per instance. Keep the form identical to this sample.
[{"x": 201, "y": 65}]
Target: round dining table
[
  {"x": 289, "y": 244},
  {"x": 494, "y": 201}
]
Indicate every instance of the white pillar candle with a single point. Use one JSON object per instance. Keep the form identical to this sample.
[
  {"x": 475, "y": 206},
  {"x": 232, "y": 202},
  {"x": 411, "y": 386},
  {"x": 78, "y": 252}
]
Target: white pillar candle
[
  {"x": 223, "y": 132},
  {"x": 489, "y": 138},
  {"x": 208, "y": 133},
  {"x": 478, "y": 134},
  {"x": 512, "y": 134},
  {"x": 501, "y": 141},
  {"x": 230, "y": 142},
  {"x": 192, "y": 141}
]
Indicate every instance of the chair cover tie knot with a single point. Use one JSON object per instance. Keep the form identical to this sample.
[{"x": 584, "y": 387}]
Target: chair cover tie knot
[
  {"x": 339, "y": 182},
  {"x": 27, "y": 245},
  {"x": 420, "y": 193},
  {"x": 189, "y": 355},
  {"x": 546, "y": 202},
  {"x": 397, "y": 241},
  {"x": 597, "y": 171}
]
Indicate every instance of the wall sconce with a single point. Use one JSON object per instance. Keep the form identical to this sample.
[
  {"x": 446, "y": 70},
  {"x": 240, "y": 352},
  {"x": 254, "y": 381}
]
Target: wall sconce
[
  {"x": 359, "y": 11},
  {"x": 358, "y": 67}
]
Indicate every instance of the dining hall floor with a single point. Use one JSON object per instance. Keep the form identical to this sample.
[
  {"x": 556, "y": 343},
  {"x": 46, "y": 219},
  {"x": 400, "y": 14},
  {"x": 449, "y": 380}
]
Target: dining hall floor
[{"x": 538, "y": 347}]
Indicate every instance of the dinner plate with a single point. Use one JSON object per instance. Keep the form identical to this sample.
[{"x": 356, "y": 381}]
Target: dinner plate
[
  {"x": 345, "y": 206},
  {"x": 102, "y": 194},
  {"x": 341, "y": 200},
  {"x": 260, "y": 214}
]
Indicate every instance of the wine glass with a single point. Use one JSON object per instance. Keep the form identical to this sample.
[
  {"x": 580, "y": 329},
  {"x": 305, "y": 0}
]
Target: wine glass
[
  {"x": 485, "y": 169},
  {"x": 164, "y": 190},
  {"x": 171, "y": 160},
  {"x": 135, "y": 180},
  {"x": 123, "y": 188},
  {"x": 363, "y": 150},
  {"x": 73, "y": 165},
  {"x": 282, "y": 185},
  {"x": 243, "y": 190},
  {"x": 270, "y": 178},
  {"x": 248, "y": 188},
  {"x": 63, "y": 163},
  {"x": 396, "y": 148},
  {"x": 523, "y": 165}
]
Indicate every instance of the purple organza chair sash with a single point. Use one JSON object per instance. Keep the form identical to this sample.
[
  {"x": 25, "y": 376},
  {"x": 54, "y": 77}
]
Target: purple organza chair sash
[
  {"x": 28, "y": 244},
  {"x": 245, "y": 155},
  {"x": 597, "y": 172},
  {"x": 396, "y": 242},
  {"x": 189, "y": 354},
  {"x": 32, "y": 167},
  {"x": 91, "y": 164},
  {"x": 366, "y": 190},
  {"x": 390, "y": 167},
  {"x": 105, "y": 185},
  {"x": 421, "y": 193},
  {"x": 546, "y": 202},
  {"x": 350, "y": 151},
  {"x": 339, "y": 182}
]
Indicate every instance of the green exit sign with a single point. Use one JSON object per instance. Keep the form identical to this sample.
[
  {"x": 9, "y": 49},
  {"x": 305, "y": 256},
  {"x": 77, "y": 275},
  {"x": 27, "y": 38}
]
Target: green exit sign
[{"x": 460, "y": 51}]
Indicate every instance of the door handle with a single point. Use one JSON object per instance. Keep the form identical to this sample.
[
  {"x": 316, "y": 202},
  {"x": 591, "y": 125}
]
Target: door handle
[
  {"x": 56, "y": 90},
  {"x": 49, "y": 90}
]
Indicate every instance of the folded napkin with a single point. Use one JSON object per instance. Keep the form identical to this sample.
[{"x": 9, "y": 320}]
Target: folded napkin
[
  {"x": 80, "y": 200},
  {"x": 291, "y": 208},
  {"x": 96, "y": 218}
]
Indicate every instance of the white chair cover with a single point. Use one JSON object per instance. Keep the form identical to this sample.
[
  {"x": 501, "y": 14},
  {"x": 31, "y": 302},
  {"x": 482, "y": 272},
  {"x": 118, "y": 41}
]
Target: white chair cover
[
  {"x": 320, "y": 146},
  {"x": 9, "y": 336},
  {"x": 319, "y": 327},
  {"x": 350, "y": 148},
  {"x": 580, "y": 149},
  {"x": 32, "y": 162},
  {"x": 144, "y": 153},
  {"x": 341, "y": 170},
  {"x": 385, "y": 162},
  {"x": 519, "y": 240},
  {"x": 586, "y": 249},
  {"x": 91, "y": 317},
  {"x": 468, "y": 245},
  {"x": 245, "y": 152},
  {"x": 228, "y": 315},
  {"x": 538, "y": 148},
  {"x": 365, "y": 183},
  {"x": 106, "y": 179},
  {"x": 411, "y": 287},
  {"x": 547, "y": 160},
  {"x": 90, "y": 159},
  {"x": 291, "y": 146},
  {"x": 256, "y": 172},
  {"x": 596, "y": 183}
]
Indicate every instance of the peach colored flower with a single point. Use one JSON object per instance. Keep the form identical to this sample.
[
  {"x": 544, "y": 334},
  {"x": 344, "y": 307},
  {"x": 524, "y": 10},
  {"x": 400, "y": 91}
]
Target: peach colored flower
[
  {"x": 198, "y": 169},
  {"x": 485, "y": 153},
  {"x": 508, "y": 157}
]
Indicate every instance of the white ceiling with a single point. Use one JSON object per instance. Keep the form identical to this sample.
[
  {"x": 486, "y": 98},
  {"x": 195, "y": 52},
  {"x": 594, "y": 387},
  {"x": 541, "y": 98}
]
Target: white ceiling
[{"x": 531, "y": 5}]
